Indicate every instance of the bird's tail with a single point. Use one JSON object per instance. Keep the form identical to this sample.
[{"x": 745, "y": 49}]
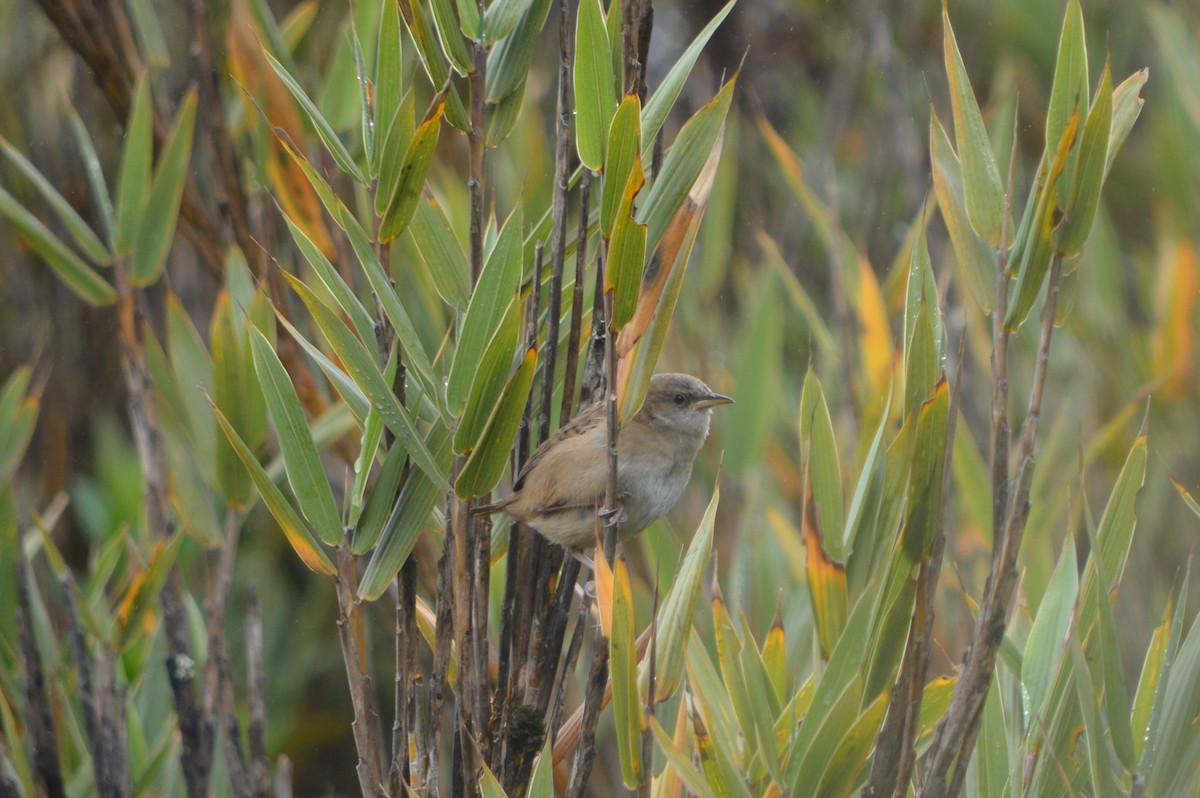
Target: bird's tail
[{"x": 494, "y": 507}]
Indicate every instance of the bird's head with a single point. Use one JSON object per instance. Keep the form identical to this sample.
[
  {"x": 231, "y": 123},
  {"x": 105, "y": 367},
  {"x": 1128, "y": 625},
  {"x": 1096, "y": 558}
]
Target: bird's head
[{"x": 680, "y": 403}]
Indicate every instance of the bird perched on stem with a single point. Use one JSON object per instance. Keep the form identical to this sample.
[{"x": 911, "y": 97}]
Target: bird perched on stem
[{"x": 561, "y": 488}]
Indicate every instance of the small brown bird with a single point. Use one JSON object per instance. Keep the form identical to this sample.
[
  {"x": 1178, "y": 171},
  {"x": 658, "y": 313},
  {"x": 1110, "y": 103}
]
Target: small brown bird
[{"x": 560, "y": 488}]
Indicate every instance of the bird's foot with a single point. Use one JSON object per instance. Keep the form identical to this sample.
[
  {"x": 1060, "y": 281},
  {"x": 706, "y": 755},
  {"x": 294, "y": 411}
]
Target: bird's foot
[{"x": 615, "y": 515}]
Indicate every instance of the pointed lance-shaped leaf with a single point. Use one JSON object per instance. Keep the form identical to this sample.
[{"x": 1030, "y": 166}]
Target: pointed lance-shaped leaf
[
  {"x": 398, "y": 135},
  {"x": 1088, "y": 177},
  {"x": 823, "y": 466},
  {"x": 497, "y": 283},
  {"x": 157, "y": 228},
  {"x": 450, "y": 35},
  {"x": 1127, "y": 106},
  {"x": 491, "y": 375},
  {"x": 403, "y": 203},
  {"x": 483, "y": 468},
  {"x": 305, "y": 473},
  {"x": 508, "y": 62},
  {"x": 365, "y": 372},
  {"x": 69, "y": 267},
  {"x": 336, "y": 148},
  {"x": 389, "y": 74},
  {"x": 595, "y": 96},
  {"x": 501, "y": 17},
  {"x": 981, "y": 176},
  {"x": 626, "y": 254},
  {"x": 624, "y": 149},
  {"x": 133, "y": 182},
  {"x": 293, "y": 526},
  {"x": 81, "y": 233},
  {"x": 627, "y": 705},
  {"x": 1070, "y": 88}
]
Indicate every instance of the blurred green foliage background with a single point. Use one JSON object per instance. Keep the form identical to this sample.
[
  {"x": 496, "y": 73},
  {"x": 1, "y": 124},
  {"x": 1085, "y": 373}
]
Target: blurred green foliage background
[{"x": 849, "y": 88}]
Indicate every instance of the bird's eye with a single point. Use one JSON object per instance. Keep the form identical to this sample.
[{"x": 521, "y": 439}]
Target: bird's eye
[{"x": 680, "y": 399}]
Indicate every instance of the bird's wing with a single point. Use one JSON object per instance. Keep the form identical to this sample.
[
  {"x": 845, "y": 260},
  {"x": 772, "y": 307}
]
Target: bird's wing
[{"x": 583, "y": 423}]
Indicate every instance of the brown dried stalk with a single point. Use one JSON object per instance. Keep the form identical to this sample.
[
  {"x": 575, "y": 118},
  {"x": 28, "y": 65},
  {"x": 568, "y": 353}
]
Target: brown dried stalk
[
  {"x": 256, "y": 733},
  {"x": 368, "y": 737},
  {"x": 39, "y": 720}
]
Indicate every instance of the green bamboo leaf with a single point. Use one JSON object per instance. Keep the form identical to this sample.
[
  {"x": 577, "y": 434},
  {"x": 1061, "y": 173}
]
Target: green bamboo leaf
[
  {"x": 365, "y": 115},
  {"x": 450, "y": 35},
  {"x": 423, "y": 37},
  {"x": 489, "y": 786},
  {"x": 925, "y": 483},
  {"x": 491, "y": 375},
  {"x": 774, "y": 655},
  {"x": 435, "y": 240},
  {"x": 921, "y": 291},
  {"x": 469, "y": 21},
  {"x": 1154, "y": 738},
  {"x": 626, "y": 254},
  {"x": 1088, "y": 178},
  {"x": 857, "y": 513},
  {"x": 230, "y": 396},
  {"x": 508, "y": 62},
  {"x": 403, "y": 203},
  {"x": 347, "y": 302},
  {"x": 1037, "y": 243},
  {"x": 719, "y": 771},
  {"x": 595, "y": 97},
  {"x": 679, "y": 607},
  {"x": 922, "y": 368},
  {"x": 95, "y": 176},
  {"x": 389, "y": 75},
  {"x": 1103, "y": 782},
  {"x": 1044, "y": 649},
  {"x": 70, "y": 268},
  {"x": 293, "y": 526},
  {"x": 824, "y": 468},
  {"x": 501, "y": 18},
  {"x": 1148, "y": 684},
  {"x": 1127, "y": 106},
  {"x": 660, "y": 103},
  {"x": 1174, "y": 751},
  {"x": 765, "y": 707},
  {"x": 157, "y": 228},
  {"x": 305, "y": 473},
  {"x": 680, "y": 761},
  {"x": 982, "y": 188},
  {"x": 849, "y": 761},
  {"x": 337, "y": 149},
  {"x": 503, "y": 118},
  {"x": 133, "y": 184},
  {"x": 193, "y": 367},
  {"x": 684, "y": 163},
  {"x": 416, "y": 360},
  {"x": 1070, "y": 88},
  {"x": 346, "y": 388},
  {"x": 81, "y": 234},
  {"x": 368, "y": 526},
  {"x": 974, "y": 257},
  {"x": 541, "y": 783},
  {"x": 729, "y": 653},
  {"x": 151, "y": 41},
  {"x": 497, "y": 284},
  {"x": 408, "y": 518},
  {"x": 366, "y": 374},
  {"x": 623, "y": 157},
  {"x": 398, "y": 136},
  {"x": 18, "y": 417},
  {"x": 483, "y": 468},
  {"x": 1116, "y": 698},
  {"x": 1115, "y": 530},
  {"x": 627, "y": 705},
  {"x": 368, "y": 448},
  {"x": 834, "y": 730}
]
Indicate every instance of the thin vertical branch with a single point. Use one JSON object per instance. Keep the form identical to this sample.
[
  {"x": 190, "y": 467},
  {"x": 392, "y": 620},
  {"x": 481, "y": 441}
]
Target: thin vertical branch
[
  {"x": 39, "y": 718},
  {"x": 368, "y": 738},
  {"x": 195, "y": 726},
  {"x": 256, "y": 675},
  {"x": 956, "y": 734},
  {"x": 593, "y": 703},
  {"x": 652, "y": 674},
  {"x": 581, "y": 250}
]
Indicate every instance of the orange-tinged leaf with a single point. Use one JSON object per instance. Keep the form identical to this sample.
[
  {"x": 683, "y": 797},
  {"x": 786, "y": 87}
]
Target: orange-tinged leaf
[
  {"x": 1176, "y": 295},
  {"x": 250, "y": 69},
  {"x": 826, "y": 583},
  {"x": 875, "y": 337},
  {"x": 603, "y": 578}
]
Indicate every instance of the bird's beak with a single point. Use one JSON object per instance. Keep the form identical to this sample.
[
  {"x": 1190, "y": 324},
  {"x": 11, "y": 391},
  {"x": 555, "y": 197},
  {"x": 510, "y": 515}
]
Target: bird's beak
[{"x": 711, "y": 400}]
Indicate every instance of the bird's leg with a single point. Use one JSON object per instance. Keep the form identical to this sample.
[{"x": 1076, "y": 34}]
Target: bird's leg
[
  {"x": 579, "y": 554},
  {"x": 615, "y": 515}
]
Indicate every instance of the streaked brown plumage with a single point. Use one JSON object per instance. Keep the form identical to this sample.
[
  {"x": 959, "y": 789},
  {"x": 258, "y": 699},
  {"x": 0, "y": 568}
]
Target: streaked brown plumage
[{"x": 562, "y": 485}]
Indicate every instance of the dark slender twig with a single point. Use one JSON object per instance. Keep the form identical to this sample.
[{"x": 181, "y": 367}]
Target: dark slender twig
[
  {"x": 581, "y": 250},
  {"x": 558, "y": 702},
  {"x": 444, "y": 634},
  {"x": 194, "y": 724},
  {"x": 235, "y": 757},
  {"x": 593, "y": 703},
  {"x": 652, "y": 674},
  {"x": 956, "y": 734},
  {"x": 256, "y": 676},
  {"x": 39, "y": 718},
  {"x": 368, "y": 738}
]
